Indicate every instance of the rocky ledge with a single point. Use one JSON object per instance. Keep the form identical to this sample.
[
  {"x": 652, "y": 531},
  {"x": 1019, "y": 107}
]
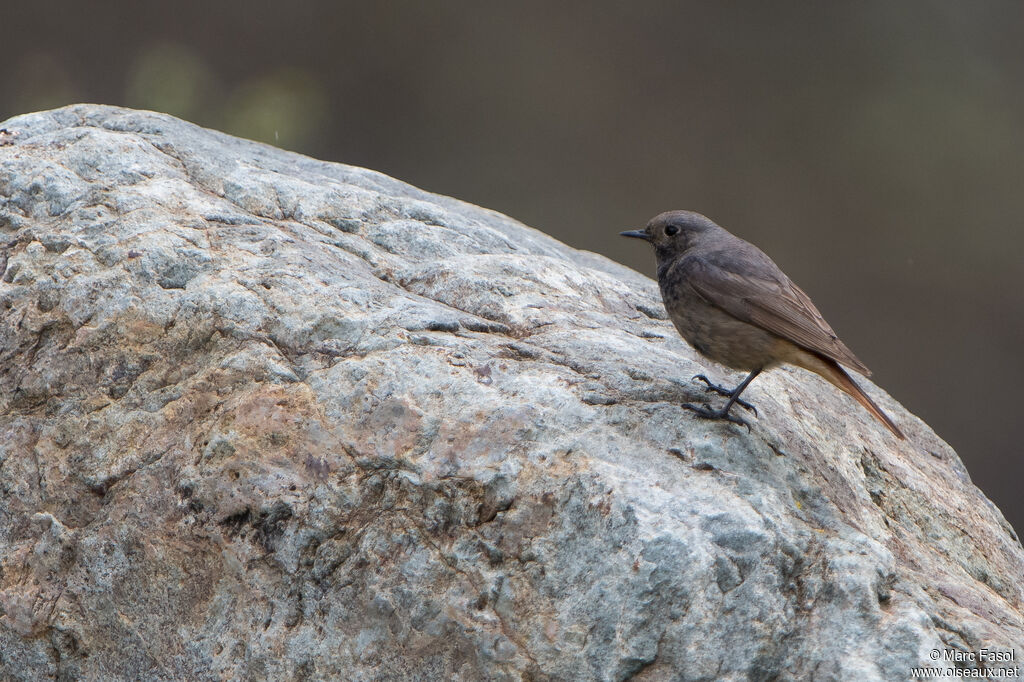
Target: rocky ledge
[{"x": 267, "y": 417}]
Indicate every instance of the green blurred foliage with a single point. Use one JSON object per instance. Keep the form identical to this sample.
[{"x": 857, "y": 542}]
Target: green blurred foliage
[
  {"x": 171, "y": 78},
  {"x": 287, "y": 108}
]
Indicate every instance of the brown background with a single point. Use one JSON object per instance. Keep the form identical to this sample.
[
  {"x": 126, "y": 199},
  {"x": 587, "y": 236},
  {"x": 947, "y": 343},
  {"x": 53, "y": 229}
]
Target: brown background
[{"x": 874, "y": 149}]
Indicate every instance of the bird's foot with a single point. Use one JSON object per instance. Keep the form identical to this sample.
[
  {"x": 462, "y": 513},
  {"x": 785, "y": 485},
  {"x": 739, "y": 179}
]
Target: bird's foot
[
  {"x": 706, "y": 412},
  {"x": 722, "y": 390}
]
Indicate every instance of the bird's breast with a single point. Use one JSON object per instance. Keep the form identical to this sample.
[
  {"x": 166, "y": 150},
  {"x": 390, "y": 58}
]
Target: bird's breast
[{"x": 715, "y": 333}]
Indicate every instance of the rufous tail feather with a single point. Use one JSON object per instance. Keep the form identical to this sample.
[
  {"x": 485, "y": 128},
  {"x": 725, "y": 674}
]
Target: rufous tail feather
[{"x": 838, "y": 376}]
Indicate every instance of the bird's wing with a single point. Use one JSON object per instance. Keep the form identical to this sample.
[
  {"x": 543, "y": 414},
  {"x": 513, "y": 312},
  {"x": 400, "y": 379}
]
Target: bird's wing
[{"x": 766, "y": 297}]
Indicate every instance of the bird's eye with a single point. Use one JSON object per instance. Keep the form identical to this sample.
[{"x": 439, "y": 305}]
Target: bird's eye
[{"x": 671, "y": 230}]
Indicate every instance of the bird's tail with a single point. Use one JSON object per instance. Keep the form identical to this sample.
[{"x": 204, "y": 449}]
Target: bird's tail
[{"x": 838, "y": 376}]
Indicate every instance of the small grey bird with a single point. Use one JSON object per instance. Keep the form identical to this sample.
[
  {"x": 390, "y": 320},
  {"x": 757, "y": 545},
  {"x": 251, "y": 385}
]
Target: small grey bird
[{"x": 734, "y": 305}]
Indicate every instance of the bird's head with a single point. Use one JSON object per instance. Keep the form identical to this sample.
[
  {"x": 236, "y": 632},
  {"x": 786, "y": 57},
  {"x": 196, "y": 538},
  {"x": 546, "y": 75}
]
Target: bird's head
[{"x": 673, "y": 232}]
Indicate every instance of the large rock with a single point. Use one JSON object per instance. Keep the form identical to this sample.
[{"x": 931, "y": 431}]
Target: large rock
[{"x": 266, "y": 417}]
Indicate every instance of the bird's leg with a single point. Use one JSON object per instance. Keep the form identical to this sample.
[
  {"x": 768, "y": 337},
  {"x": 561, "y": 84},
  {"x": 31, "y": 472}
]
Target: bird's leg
[
  {"x": 728, "y": 393},
  {"x": 734, "y": 396}
]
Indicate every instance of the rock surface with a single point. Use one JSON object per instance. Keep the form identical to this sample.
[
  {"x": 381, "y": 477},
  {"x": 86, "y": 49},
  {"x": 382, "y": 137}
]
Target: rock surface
[{"x": 266, "y": 417}]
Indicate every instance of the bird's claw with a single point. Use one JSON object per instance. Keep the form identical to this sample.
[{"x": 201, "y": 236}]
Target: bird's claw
[
  {"x": 721, "y": 390},
  {"x": 706, "y": 412}
]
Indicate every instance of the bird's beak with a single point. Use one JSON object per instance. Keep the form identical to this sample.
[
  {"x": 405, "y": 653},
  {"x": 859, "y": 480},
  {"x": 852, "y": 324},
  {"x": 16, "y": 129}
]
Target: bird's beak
[{"x": 639, "y": 234}]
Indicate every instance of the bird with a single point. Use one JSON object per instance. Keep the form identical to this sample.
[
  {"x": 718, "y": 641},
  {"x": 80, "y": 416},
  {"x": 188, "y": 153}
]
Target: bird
[{"x": 734, "y": 305}]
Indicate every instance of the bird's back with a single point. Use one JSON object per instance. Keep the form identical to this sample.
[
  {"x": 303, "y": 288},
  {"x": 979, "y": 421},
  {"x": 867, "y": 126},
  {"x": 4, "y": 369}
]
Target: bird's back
[{"x": 740, "y": 279}]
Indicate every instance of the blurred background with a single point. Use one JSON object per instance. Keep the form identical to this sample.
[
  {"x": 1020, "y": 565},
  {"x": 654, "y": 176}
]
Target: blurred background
[{"x": 874, "y": 149}]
